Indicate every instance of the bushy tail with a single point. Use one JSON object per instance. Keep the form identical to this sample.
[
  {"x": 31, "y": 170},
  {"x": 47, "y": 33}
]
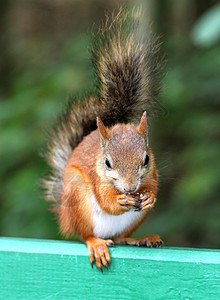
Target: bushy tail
[{"x": 128, "y": 82}]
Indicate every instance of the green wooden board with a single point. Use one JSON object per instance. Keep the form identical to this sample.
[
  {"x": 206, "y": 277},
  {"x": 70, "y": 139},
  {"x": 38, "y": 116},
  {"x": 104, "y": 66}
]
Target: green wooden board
[{"x": 42, "y": 269}]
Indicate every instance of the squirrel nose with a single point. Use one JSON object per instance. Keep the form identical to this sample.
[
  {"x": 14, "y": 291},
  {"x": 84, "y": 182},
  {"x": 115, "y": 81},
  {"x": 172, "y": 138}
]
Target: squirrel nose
[{"x": 130, "y": 188}]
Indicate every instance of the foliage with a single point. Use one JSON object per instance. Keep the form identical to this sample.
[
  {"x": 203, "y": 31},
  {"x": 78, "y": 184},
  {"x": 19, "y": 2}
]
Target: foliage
[
  {"x": 38, "y": 86},
  {"x": 206, "y": 31}
]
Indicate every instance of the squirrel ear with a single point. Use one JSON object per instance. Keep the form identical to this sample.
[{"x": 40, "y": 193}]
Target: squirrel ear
[
  {"x": 142, "y": 127},
  {"x": 103, "y": 131}
]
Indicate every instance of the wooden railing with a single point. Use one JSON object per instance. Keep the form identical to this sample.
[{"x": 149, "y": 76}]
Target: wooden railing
[{"x": 44, "y": 269}]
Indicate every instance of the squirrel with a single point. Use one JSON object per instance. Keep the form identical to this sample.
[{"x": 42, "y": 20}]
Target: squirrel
[{"x": 103, "y": 177}]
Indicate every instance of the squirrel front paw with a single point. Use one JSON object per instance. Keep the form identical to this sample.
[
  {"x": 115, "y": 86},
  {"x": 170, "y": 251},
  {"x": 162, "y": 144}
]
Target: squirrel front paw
[
  {"x": 148, "y": 200},
  {"x": 137, "y": 201},
  {"x": 129, "y": 201}
]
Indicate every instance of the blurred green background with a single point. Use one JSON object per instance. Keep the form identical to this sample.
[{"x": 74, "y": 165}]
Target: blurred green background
[{"x": 44, "y": 59}]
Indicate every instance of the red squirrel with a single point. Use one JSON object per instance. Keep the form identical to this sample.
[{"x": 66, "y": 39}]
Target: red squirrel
[{"x": 104, "y": 178}]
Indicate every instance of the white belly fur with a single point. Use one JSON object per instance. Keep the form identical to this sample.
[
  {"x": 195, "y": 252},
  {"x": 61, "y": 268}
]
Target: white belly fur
[{"x": 108, "y": 226}]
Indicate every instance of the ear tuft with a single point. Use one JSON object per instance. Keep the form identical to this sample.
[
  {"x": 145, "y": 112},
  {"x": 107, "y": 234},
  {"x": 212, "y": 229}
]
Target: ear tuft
[
  {"x": 142, "y": 127},
  {"x": 103, "y": 131}
]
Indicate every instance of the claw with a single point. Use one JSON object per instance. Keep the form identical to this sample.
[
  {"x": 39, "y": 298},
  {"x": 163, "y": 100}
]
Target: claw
[
  {"x": 139, "y": 243},
  {"x": 124, "y": 205},
  {"x": 143, "y": 243},
  {"x": 110, "y": 244}
]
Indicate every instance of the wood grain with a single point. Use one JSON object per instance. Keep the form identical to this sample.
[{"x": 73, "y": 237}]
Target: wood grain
[{"x": 43, "y": 269}]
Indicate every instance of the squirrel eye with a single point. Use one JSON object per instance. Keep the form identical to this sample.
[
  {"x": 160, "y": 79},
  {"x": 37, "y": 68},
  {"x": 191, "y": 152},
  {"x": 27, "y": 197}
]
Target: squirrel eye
[
  {"x": 146, "y": 160},
  {"x": 108, "y": 163}
]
